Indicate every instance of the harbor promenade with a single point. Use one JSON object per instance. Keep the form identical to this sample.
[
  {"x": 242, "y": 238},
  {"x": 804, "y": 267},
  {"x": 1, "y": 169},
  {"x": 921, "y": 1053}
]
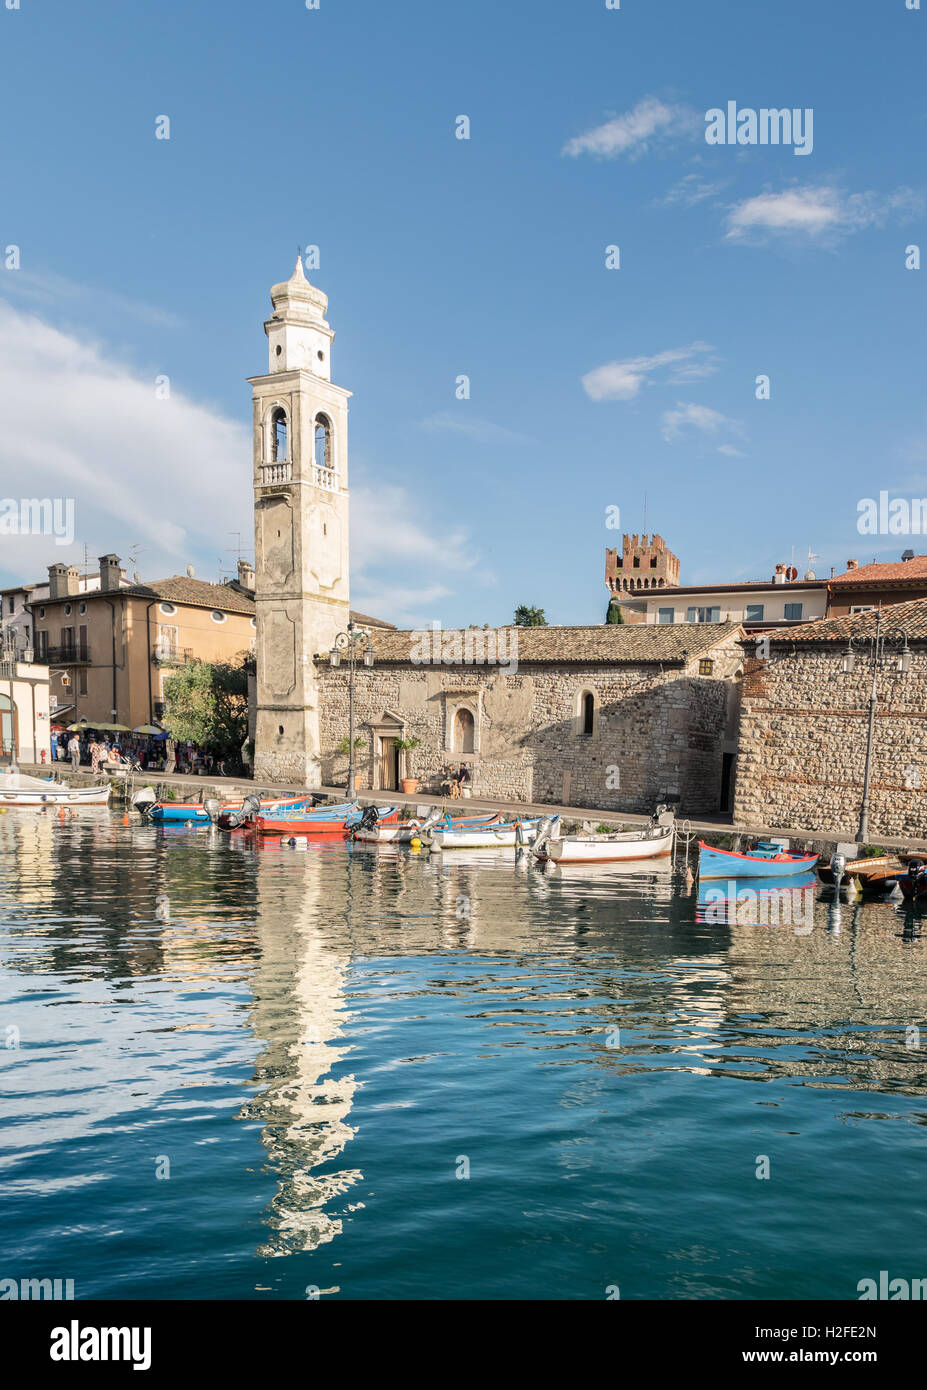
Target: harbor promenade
[{"x": 710, "y": 827}]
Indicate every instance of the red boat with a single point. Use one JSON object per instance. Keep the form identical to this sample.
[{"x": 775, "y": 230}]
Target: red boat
[{"x": 320, "y": 826}]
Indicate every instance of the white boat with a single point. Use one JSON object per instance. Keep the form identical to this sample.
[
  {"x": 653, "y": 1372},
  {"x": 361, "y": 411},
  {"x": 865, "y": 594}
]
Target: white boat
[
  {"x": 407, "y": 831},
  {"x": 16, "y": 789},
  {"x": 477, "y": 836},
  {"x": 653, "y": 842}
]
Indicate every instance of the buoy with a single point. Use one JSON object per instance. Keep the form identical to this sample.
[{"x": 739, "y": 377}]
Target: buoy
[
  {"x": 125, "y": 820},
  {"x": 415, "y": 844}
]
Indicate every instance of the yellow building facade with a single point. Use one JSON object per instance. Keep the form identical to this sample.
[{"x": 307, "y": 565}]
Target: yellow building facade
[{"x": 111, "y": 649}]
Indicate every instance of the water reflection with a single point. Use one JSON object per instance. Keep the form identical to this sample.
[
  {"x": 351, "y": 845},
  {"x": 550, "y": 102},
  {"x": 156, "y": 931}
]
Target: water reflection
[{"x": 163, "y": 977}]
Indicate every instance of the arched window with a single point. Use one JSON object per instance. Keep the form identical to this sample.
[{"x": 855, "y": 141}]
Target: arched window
[
  {"x": 587, "y": 712},
  {"x": 464, "y": 730},
  {"x": 278, "y": 439},
  {"x": 323, "y": 442}
]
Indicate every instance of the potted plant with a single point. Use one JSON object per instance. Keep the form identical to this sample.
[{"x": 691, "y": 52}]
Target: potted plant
[
  {"x": 405, "y": 747},
  {"x": 344, "y": 747}
]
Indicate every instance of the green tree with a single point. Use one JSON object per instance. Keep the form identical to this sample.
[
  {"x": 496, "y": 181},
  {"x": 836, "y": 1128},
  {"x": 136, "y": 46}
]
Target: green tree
[
  {"x": 614, "y": 613},
  {"x": 206, "y": 702},
  {"x": 529, "y": 617}
]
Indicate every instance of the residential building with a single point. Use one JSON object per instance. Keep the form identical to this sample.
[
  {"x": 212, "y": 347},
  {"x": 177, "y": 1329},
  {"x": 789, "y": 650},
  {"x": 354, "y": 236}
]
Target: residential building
[
  {"x": 110, "y": 649},
  {"x": 860, "y": 588},
  {"x": 24, "y": 712}
]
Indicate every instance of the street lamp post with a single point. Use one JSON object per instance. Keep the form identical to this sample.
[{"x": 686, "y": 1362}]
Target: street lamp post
[
  {"x": 348, "y": 645},
  {"x": 891, "y": 641}
]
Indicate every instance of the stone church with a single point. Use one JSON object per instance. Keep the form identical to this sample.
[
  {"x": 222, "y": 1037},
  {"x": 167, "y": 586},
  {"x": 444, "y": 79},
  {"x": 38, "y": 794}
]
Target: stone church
[{"x": 611, "y": 716}]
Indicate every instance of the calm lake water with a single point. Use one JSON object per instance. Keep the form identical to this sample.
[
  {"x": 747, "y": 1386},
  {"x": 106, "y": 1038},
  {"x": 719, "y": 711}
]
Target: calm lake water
[{"x": 254, "y": 1073}]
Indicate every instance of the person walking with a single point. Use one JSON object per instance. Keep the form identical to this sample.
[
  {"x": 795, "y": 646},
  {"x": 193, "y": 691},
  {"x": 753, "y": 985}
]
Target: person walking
[
  {"x": 74, "y": 750},
  {"x": 96, "y": 755},
  {"x": 61, "y": 751}
]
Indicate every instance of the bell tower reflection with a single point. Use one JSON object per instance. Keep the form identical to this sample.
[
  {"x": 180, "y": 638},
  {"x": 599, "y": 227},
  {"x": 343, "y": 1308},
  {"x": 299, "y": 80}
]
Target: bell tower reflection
[{"x": 304, "y": 1096}]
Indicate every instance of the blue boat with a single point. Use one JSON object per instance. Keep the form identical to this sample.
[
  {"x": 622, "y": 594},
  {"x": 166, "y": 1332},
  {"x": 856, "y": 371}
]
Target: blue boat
[{"x": 766, "y": 861}]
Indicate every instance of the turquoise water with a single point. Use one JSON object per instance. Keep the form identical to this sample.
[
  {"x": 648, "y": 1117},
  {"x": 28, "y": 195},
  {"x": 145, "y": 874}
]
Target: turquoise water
[{"x": 312, "y": 1049}]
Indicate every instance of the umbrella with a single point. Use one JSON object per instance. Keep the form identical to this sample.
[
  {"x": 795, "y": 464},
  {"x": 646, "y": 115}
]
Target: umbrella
[
  {"x": 147, "y": 729},
  {"x": 100, "y": 728}
]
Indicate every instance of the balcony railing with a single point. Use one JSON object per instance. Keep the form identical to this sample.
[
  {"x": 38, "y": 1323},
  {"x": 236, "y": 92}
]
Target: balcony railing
[
  {"x": 166, "y": 654},
  {"x": 76, "y": 655},
  {"x": 276, "y": 473},
  {"x": 325, "y": 477}
]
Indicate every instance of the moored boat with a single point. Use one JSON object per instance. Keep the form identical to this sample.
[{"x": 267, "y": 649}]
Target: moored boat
[
  {"x": 404, "y": 832},
  {"x": 768, "y": 860},
  {"x": 322, "y": 821},
  {"x": 18, "y": 789},
  {"x": 873, "y": 874},
  {"x": 489, "y": 836},
  {"x": 652, "y": 842}
]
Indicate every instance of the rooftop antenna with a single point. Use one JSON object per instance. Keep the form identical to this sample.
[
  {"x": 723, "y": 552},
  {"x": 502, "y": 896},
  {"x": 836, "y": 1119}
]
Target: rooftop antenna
[{"x": 134, "y": 552}]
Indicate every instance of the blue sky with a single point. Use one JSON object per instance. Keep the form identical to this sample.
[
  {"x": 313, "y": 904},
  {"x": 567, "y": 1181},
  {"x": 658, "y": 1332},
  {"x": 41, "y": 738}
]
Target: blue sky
[{"x": 589, "y": 387}]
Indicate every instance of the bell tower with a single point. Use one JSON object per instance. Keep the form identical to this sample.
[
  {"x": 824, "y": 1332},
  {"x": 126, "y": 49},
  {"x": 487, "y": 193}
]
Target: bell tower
[{"x": 300, "y": 528}]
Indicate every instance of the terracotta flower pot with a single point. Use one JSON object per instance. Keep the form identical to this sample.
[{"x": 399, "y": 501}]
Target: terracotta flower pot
[{"x": 409, "y": 785}]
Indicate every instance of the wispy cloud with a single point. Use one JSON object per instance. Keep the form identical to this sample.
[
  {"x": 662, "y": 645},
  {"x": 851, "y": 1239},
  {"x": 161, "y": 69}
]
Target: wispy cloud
[
  {"x": 819, "y": 213},
  {"x": 622, "y": 381},
  {"x": 651, "y": 122},
  {"x": 49, "y": 291},
  {"x": 692, "y": 189},
  {"x": 675, "y": 423},
  {"x": 482, "y": 431},
  {"x": 392, "y": 532},
  {"x": 730, "y": 451}
]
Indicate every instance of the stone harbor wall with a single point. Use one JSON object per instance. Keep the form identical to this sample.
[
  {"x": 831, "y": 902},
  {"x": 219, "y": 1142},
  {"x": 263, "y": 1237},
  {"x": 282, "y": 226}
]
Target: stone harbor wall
[
  {"x": 802, "y": 745},
  {"x": 654, "y": 730}
]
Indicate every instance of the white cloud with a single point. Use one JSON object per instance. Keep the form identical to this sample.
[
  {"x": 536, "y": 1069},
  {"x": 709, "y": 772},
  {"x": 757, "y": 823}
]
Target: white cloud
[
  {"x": 674, "y": 423},
  {"x": 819, "y": 213},
  {"x": 622, "y": 381},
  {"x": 174, "y": 477},
  {"x": 170, "y": 475},
  {"x": 392, "y": 533},
  {"x": 691, "y": 190},
  {"x": 482, "y": 431},
  {"x": 650, "y": 122},
  {"x": 731, "y": 451}
]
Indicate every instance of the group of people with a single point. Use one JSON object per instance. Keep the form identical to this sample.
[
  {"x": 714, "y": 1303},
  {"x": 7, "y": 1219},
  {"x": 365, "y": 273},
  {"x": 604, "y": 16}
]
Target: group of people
[
  {"x": 126, "y": 750},
  {"x": 453, "y": 782}
]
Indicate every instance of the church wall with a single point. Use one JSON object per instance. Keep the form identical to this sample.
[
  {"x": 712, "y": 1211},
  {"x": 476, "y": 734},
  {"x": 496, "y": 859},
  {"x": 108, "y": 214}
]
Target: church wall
[{"x": 652, "y": 734}]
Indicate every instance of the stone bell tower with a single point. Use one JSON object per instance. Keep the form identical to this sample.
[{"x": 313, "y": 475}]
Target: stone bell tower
[{"x": 300, "y": 528}]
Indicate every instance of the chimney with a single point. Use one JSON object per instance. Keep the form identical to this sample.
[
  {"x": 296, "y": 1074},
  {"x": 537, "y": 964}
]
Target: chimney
[
  {"x": 779, "y": 576},
  {"x": 852, "y": 564},
  {"x": 63, "y": 581},
  {"x": 246, "y": 574},
  {"x": 110, "y": 572},
  {"x": 908, "y": 555}
]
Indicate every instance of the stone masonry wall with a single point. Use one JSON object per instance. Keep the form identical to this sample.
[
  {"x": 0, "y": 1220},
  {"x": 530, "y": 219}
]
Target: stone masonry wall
[
  {"x": 654, "y": 732},
  {"x": 803, "y": 745}
]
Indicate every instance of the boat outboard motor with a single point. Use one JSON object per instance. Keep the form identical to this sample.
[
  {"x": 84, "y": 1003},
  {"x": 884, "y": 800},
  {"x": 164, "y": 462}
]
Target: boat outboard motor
[
  {"x": 549, "y": 829},
  {"x": 917, "y": 877},
  {"x": 370, "y": 819},
  {"x": 248, "y": 808},
  {"x": 212, "y": 806},
  {"x": 144, "y": 800},
  {"x": 434, "y": 815},
  {"x": 838, "y": 867}
]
